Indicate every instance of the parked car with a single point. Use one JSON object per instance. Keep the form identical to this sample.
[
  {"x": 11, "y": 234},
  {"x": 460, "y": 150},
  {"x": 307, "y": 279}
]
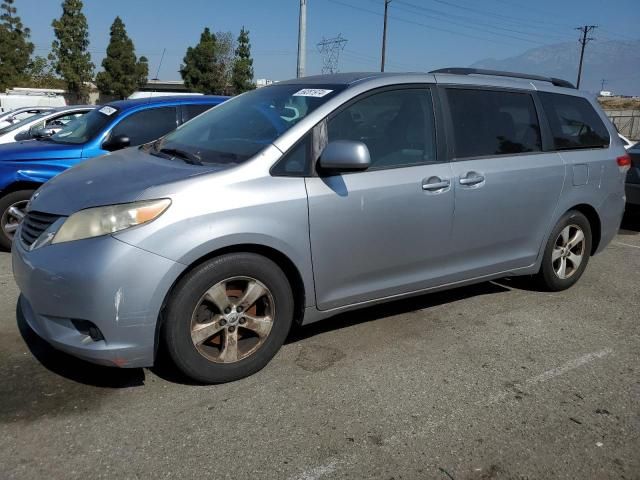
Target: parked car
[
  {"x": 31, "y": 97},
  {"x": 632, "y": 187},
  {"x": 14, "y": 116},
  {"x": 24, "y": 166},
  {"x": 43, "y": 124},
  {"x": 217, "y": 237}
]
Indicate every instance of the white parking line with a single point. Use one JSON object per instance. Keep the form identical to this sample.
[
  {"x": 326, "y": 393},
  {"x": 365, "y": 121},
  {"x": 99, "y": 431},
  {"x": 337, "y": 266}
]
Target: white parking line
[
  {"x": 427, "y": 428},
  {"x": 626, "y": 244},
  {"x": 317, "y": 472}
]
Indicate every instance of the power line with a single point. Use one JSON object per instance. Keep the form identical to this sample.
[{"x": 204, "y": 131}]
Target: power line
[{"x": 585, "y": 29}]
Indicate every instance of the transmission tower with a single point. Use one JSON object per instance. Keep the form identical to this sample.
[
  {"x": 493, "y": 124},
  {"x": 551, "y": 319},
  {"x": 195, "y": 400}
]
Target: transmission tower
[{"x": 330, "y": 49}]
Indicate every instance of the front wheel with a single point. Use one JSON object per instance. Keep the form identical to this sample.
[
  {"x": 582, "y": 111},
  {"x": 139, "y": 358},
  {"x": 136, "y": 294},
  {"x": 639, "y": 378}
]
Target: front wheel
[
  {"x": 567, "y": 252},
  {"x": 12, "y": 211},
  {"x": 228, "y": 317}
]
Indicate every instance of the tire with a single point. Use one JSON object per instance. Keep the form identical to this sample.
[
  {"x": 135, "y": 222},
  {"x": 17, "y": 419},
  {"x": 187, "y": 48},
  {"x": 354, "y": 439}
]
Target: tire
[
  {"x": 17, "y": 199},
  {"x": 550, "y": 277},
  {"x": 198, "y": 307}
]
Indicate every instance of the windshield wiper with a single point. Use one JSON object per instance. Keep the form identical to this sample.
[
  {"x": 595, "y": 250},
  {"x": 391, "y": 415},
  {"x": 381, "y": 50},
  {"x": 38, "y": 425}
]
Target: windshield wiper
[{"x": 181, "y": 154}]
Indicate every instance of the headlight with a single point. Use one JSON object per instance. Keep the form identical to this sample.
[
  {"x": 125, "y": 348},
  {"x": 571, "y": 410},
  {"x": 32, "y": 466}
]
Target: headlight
[{"x": 94, "y": 222}]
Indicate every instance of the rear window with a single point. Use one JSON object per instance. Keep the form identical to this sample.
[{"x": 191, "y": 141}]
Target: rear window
[
  {"x": 490, "y": 122},
  {"x": 574, "y": 123},
  {"x": 193, "y": 110}
]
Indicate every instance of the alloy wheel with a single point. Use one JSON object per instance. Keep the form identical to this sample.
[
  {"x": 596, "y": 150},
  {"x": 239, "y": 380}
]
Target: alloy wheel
[
  {"x": 232, "y": 320},
  {"x": 568, "y": 251},
  {"x": 12, "y": 217}
]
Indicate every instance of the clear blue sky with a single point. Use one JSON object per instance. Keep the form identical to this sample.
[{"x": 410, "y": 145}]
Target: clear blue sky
[{"x": 422, "y": 34}]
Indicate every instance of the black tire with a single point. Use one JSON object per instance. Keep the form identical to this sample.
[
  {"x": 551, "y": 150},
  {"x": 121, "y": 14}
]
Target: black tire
[
  {"x": 547, "y": 278},
  {"x": 186, "y": 297},
  {"x": 20, "y": 196}
]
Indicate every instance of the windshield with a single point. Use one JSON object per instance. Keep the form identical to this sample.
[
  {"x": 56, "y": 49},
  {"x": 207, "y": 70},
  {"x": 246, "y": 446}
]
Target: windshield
[
  {"x": 237, "y": 129},
  {"x": 85, "y": 127},
  {"x": 19, "y": 124}
]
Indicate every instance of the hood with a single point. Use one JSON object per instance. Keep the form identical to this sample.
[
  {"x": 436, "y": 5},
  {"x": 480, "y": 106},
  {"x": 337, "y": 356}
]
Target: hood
[
  {"x": 38, "y": 150},
  {"x": 118, "y": 177}
]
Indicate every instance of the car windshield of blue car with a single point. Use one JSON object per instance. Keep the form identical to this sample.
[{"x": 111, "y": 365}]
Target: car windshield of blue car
[
  {"x": 21, "y": 123},
  {"x": 238, "y": 129},
  {"x": 86, "y": 127}
]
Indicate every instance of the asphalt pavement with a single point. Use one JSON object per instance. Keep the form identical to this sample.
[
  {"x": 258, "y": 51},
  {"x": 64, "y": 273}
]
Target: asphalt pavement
[{"x": 490, "y": 381}]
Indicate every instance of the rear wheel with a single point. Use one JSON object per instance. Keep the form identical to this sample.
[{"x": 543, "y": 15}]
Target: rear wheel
[
  {"x": 567, "y": 252},
  {"x": 12, "y": 211},
  {"x": 228, "y": 317}
]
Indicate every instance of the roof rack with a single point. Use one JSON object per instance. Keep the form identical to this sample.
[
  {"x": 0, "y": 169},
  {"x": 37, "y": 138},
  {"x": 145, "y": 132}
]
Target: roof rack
[{"x": 558, "y": 82}]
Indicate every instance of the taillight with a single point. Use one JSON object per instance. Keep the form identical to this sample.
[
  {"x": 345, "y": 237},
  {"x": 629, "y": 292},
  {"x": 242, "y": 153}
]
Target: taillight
[{"x": 624, "y": 160}]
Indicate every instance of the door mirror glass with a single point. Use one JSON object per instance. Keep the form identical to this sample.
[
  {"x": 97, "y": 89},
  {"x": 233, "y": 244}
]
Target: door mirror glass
[
  {"x": 42, "y": 132},
  {"x": 116, "y": 142},
  {"x": 344, "y": 156}
]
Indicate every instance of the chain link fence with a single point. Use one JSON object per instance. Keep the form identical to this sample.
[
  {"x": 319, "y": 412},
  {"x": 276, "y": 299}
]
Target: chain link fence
[{"x": 626, "y": 121}]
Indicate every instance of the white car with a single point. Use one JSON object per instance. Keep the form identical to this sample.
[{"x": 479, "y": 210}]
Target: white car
[
  {"x": 42, "y": 124},
  {"x": 14, "y": 116}
]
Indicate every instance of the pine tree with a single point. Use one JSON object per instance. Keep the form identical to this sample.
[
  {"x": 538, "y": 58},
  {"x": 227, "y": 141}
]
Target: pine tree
[
  {"x": 242, "y": 75},
  {"x": 72, "y": 60},
  {"x": 15, "y": 47},
  {"x": 201, "y": 70},
  {"x": 122, "y": 74}
]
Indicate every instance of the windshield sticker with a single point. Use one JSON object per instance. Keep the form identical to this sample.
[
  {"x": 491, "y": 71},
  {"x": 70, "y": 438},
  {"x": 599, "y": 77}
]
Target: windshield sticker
[
  {"x": 107, "y": 110},
  {"x": 312, "y": 92}
]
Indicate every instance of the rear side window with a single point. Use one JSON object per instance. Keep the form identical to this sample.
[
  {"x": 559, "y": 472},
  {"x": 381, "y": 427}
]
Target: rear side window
[
  {"x": 573, "y": 121},
  {"x": 194, "y": 110},
  {"x": 147, "y": 125},
  {"x": 489, "y": 122}
]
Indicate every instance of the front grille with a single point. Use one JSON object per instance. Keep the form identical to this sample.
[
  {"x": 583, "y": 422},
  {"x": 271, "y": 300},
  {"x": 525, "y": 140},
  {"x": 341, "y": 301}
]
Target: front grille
[{"x": 33, "y": 224}]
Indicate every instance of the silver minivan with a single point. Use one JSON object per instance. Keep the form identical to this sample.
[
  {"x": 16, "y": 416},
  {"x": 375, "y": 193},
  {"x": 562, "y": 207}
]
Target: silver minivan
[{"x": 216, "y": 238}]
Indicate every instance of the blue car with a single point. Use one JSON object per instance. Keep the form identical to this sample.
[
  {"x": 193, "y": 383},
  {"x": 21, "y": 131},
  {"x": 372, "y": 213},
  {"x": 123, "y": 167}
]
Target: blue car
[{"x": 24, "y": 166}]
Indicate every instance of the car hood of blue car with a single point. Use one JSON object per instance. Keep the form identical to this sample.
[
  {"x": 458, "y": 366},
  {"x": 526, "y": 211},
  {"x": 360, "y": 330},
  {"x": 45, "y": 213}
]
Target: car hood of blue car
[
  {"x": 38, "y": 150},
  {"x": 119, "y": 177}
]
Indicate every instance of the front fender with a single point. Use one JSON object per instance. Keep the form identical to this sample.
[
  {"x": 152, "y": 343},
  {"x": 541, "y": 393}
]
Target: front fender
[{"x": 31, "y": 172}]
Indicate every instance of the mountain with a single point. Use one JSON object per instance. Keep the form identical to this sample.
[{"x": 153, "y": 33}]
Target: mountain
[{"x": 617, "y": 62}]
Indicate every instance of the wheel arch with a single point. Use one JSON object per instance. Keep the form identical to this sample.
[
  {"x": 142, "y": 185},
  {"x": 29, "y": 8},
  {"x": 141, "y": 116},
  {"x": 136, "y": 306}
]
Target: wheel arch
[
  {"x": 283, "y": 261},
  {"x": 594, "y": 221},
  {"x": 20, "y": 185}
]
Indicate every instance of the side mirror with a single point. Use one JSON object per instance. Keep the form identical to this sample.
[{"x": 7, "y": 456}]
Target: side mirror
[
  {"x": 344, "y": 156},
  {"x": 42, "y": 132},
  {"x": 116, "y": 143}
]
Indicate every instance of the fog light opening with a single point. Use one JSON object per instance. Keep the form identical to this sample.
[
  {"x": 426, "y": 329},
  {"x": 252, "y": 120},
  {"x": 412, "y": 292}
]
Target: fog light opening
[{"x": 86, "y": 327}]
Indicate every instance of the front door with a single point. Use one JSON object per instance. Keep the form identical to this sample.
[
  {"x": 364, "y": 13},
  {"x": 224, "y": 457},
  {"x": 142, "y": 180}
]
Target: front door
[{"x": 384, "y": 231}]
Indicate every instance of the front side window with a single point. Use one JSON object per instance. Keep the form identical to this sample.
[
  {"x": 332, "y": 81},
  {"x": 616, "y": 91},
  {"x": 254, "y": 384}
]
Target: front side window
[
  {"x": 146, "y": 125},
  {"x": 573, "y": 121},
  {"x": 239, "y": 128},
  {"x": 86, "y": 127},
  {"x": 489, "y": 122},
  {"x": 63, "y": 120},
  {"x": 397, "y": 127}
]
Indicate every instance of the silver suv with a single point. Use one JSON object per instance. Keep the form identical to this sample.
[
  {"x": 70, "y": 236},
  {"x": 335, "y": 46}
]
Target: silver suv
[{"x": 310, "y": 197}]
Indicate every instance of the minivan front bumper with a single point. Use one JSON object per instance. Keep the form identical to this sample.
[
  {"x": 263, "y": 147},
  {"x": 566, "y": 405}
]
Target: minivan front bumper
[{"x": 103, "y": 282}]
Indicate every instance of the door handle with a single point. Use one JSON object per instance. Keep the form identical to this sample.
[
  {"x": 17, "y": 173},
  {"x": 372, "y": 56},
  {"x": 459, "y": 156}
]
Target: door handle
[
  {"x": 471, "y": 178},
  {"x": 434, "y": 183}
]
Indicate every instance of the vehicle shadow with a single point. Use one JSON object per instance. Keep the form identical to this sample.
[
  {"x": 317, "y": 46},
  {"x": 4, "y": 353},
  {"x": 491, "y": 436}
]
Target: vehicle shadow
[
  {"x": 390, "y": 309},
  {"x": 631, "y": 221},
  {"x": 73, "y": 368}
]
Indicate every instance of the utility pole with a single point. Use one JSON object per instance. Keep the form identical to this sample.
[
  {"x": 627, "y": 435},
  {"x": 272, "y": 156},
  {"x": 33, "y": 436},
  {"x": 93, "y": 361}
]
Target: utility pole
[
  {"x": 585, "y": 30},
  {"x": 302, "y": 39},
  {"x": 384, "y": 34}
]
